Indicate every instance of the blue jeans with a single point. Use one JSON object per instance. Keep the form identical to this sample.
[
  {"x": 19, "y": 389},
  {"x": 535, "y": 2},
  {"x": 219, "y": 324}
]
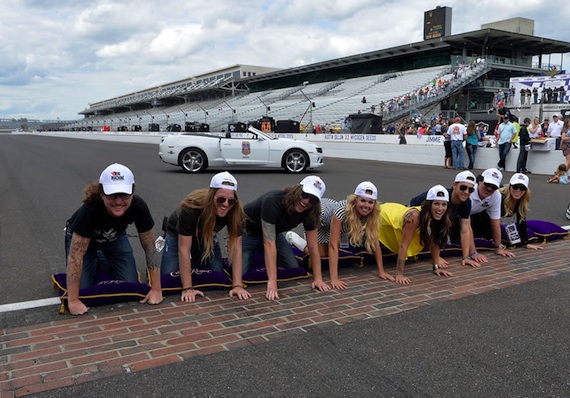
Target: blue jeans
[
  {"x": 457, "y": 154},
  {"x": 252, "y": 244},
  {"x": 503, "y": 152},
  {"x": 114, "y": 258},
  {"x": 170, "y": 264},
  {"x": 471, "y": 151}
]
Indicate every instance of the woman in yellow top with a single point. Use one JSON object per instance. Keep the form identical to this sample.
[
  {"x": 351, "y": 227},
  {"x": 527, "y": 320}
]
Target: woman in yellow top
[{"x": 407, "y": 230}]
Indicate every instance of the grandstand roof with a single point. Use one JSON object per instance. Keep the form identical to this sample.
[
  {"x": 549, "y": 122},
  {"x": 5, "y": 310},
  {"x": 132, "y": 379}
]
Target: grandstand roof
[{"x": 484, "y": 41}]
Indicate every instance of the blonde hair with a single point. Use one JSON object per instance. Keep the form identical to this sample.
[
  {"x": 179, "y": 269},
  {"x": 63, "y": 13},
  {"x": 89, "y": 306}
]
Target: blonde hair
[
  {"x": 358, "y": 231},
  {"x": 510, "y": 203},
  {"x": 203, "y": 199}
]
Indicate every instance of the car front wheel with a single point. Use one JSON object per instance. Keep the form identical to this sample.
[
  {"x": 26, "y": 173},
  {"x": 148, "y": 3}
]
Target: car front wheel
[
  {"x": 193, "y": 160},
  {"x": 295, "y": 161}
]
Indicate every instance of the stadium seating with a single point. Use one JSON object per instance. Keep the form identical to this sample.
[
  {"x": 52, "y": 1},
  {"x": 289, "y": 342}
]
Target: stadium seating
[{"x": 327, "y": 103}]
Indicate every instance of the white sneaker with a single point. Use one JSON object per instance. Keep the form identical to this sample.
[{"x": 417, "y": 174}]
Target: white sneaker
[{"x": 295, "y": 240}]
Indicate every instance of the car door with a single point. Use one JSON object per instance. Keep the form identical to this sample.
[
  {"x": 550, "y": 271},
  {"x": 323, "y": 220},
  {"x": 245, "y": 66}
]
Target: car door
[{"x": 245, "y": 149}]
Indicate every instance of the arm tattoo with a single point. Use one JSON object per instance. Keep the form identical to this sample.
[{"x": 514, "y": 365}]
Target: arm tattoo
[
  {"x": 268, "y": 230},
  {"x": 400, "y": 266},
  {"x": 408, "y": 217},
  {"x": 152, "y": 256},
  {"x": 77, "y": 250}
]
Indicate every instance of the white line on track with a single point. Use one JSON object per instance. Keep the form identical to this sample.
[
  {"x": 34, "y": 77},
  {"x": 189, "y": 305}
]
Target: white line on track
[{"x": 24, "y": 305}]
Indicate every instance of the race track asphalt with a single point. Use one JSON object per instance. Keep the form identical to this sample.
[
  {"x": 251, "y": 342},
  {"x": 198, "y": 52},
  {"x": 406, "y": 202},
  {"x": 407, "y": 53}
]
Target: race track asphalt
[{"x": 498, "y": 331}]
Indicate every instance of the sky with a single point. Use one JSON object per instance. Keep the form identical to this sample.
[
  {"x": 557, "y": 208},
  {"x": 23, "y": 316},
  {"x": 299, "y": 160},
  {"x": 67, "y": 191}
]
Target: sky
[{"x": 57, "y": 56}]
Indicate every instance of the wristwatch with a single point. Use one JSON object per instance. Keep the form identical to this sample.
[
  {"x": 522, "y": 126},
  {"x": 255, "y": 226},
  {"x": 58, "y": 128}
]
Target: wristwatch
[
  {"x": 435, "y": 267},
  {"x": 501, "y": 246}
]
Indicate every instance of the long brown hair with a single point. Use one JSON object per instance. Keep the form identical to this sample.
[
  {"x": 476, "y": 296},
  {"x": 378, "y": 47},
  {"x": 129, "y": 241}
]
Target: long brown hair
[
  {"x": 292, "y": 197},
  {"x": 471, "y": 128},
  {"x": 203, "y": 199},
  {"x": 434, "y": 232}
]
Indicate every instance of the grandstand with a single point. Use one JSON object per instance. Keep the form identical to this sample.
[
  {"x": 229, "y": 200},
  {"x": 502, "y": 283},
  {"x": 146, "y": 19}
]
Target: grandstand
[
  {"x": 24, "y": 124},
  {"x": 458, "y": 74}
]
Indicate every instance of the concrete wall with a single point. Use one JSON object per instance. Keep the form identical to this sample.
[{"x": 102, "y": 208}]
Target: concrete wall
[{"x": 426, "y": 150}]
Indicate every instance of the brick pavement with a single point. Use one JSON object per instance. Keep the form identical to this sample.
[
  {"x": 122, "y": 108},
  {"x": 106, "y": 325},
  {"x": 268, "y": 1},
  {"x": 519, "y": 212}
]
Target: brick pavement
[{"x": 73, "y": 350}]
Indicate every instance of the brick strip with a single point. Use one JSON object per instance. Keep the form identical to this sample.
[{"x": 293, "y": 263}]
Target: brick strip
[{"x": 73, "y": 350}]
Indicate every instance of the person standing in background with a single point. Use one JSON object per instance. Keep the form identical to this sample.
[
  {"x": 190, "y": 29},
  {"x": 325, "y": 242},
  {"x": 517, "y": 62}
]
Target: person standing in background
[
  {"x": 471, "y": 143},
  {"x": 458, "y": 133},
  {"x": 505, "y": 135},
  {"x": 524, "y": 147}
]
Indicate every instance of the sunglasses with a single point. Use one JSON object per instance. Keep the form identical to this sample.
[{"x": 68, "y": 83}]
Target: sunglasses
[
  {"x": 223, "y": 199},
  {"x": 491, "y": 186},
  {"x": 465, "y": 187},
  {"x": 518, "y": 187},
  {"x": 123, "y": 196},
  {"x": 312, "y": 199}
]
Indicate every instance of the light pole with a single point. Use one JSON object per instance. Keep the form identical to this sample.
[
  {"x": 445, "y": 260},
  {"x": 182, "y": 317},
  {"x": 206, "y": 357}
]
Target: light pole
[
  {"x": 233, "y": 111},
  {"x": 205, "y": 114},
  {"x": 140, "y": 119},
  {"x": 267, "y": 107},
  {"x": 167, "y": 117},
  {"x": 185, "y": 115},
  {"x": 311, "y": 105}
]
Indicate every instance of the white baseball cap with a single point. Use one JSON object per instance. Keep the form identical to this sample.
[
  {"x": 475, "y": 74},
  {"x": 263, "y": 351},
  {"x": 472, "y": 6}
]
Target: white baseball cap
[
  {"x": 117, "y": 179},
  {"x": 493, "y": 176},
  {"x": 438, "y": 192},
  {"x": 519, "y": 178},
  {"x": 224, "y": 180},
  {"x": 313, "y": 185},
  {"x": 367, "y": 190},
  {"x": 465, "y": 176}
]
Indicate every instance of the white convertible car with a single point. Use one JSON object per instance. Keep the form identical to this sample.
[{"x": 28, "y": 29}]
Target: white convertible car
[{"x": 195, "y": 152}]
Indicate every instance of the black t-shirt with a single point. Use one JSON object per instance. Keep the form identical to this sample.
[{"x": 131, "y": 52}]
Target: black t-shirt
[
  {"x": 505, "y": 112},
  {"x": 92, "y": 221},
  {"x": 185, "y": 221},
  {"x": 462, "y": 210},
  {"x": 523, "y": 135},
  {"x": 269, "y": 208}
]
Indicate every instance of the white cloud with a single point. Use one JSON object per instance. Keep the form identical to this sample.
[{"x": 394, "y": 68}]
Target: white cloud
[{"x": 59, "y": 55}]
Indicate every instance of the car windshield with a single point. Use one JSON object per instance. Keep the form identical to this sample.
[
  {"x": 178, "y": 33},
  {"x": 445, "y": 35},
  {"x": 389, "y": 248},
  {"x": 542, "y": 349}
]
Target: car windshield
[{"x": 260, "y": 133}]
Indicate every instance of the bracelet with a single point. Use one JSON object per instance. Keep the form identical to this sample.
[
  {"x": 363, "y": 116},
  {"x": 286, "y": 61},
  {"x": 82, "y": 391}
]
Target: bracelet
[
  {"x": 467, "y": 258},
  {"x": 240, "y": 285},
  {"x": 187, "y": 288},
  {"x": 474, "y": 253}
]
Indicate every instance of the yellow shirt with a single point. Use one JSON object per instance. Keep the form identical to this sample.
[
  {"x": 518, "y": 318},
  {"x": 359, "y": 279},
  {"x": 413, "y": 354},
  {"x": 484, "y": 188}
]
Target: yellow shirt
[
  {"x": 391, "y": 225},
  {"x": 518, "y": 130}
]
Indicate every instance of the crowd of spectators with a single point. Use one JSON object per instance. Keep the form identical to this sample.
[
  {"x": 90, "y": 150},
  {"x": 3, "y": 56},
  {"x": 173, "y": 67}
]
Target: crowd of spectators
[{"x": 436, "y": 88}]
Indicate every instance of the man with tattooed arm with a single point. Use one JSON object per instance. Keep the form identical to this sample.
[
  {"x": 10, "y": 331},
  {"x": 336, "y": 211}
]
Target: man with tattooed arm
[{"x": 96, "y": 237}]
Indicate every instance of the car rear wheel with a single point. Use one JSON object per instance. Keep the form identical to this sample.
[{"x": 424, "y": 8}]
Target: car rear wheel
[
  {"x": 193, "y": 160},
  {"x": 295, "y": 161}
]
